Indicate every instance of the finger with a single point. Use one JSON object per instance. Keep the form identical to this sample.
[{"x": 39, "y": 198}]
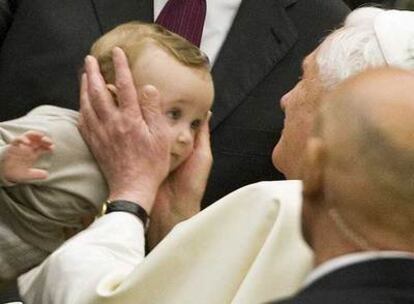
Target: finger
[
  {"x": 22, "y": 139},
  {"x": 86, "y": 129},
  {"x": 36, "y": 174},
  {"x": 38, "y": 139},
  {"x": 34, "y": 135},
  {"x": 113, "y": 90},
  {"x": 46, "y": 141},
  {"x": 87, "y": 116},
  {"x": 47, "y": 147},
  {"x": 202, "y": 141},
  {"x": 203, "y": 157},
  {"x": 124, "y": 81},
  {"x": 203, "y": 137},
  {"x": 100, "y": 99},
  {"x": 40, "y": 150},
  {"x": 150, "y": 103},
  {"x": 83, "y": 93}
]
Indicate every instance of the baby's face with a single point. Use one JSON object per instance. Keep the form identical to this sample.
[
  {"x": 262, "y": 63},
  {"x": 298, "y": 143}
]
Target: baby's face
[{"x": 186, "y": 97}]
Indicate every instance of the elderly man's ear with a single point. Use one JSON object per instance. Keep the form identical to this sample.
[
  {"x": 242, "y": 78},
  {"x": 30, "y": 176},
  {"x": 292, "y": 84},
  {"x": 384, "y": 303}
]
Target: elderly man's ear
[{"x": 313, "y": 167}]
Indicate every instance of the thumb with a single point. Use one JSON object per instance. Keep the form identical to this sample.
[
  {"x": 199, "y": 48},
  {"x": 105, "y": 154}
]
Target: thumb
[
  {"x": 33, "y": 174},
  {"x": 151, "y": 109},
  {"x": 150, "y": 102},
  {"x": 202, "y": 143}
]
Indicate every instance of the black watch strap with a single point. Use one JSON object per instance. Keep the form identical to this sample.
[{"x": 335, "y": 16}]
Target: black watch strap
[{"x": 127, "y": 206}]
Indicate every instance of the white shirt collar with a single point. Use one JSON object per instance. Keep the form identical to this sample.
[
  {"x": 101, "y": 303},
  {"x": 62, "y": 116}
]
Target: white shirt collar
[
  {"x": 352, "y": 258},
  {"x": 158, "y": 5}
]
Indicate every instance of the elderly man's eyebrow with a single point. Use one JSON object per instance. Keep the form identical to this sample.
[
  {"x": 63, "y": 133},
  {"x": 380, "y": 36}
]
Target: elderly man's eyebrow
[{"x": 305, "y": 64}]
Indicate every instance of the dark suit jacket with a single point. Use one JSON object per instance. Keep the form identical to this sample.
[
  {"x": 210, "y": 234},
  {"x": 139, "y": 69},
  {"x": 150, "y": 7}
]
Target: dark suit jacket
[
  {"x": 381, "y": 281},
  {"x": 9, "y": 292},
  {"x": 378, "y": 3},
  {"x": 259, "y": 62}
]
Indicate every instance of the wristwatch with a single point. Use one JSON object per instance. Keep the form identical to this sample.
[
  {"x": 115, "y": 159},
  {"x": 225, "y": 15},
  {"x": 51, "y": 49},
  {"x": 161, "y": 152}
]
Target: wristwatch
[{"x": 126, "y": 206}]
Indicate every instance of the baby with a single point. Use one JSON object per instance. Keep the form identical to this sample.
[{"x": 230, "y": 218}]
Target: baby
[{"x": 48, "y": 178}]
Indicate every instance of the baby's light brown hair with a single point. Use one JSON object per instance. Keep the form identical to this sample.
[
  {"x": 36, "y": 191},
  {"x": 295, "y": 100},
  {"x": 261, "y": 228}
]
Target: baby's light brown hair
[{"x": 132, "y": 38}]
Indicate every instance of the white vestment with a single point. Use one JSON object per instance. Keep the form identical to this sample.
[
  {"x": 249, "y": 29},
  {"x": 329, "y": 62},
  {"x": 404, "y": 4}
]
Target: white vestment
[{"x": 245, "y": 248}]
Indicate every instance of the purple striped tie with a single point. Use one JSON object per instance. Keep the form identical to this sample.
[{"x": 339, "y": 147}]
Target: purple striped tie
[{"x": 184, "y": 17}]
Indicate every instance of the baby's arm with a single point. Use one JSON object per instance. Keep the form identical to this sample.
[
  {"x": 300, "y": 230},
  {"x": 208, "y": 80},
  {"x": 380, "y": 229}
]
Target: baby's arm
[{"x": 21, "y": 155}]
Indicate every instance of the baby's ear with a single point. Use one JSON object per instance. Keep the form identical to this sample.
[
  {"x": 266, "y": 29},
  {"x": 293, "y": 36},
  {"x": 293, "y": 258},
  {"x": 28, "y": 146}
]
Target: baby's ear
[{"x": 114, "y": 91}]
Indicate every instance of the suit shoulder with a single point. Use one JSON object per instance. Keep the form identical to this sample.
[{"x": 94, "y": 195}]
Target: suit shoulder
[
  {"x": 318, "y": 14},
  {"x": 331, "y": 6}
]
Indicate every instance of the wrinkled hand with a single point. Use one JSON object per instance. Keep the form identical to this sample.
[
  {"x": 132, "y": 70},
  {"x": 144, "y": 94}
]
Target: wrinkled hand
[
  {"x": 127, "y": 138},
  {"x": 179, "y": 196},
  {"x": 22, "y": 154}
]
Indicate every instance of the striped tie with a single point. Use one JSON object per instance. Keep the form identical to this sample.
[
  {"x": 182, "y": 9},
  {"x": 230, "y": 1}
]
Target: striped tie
[{"x": 184, "y": 17}]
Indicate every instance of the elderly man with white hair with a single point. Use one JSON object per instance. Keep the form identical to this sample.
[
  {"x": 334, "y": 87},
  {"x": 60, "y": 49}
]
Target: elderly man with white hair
[
  {"x": 370, "y": 38},
  {"x": 358, "y": 211},
  {"x": 247, "y": 247}
]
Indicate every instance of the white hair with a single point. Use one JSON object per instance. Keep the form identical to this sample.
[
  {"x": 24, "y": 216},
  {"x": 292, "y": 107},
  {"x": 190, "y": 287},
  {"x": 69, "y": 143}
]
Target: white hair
[{"x": 350, "y": 49}]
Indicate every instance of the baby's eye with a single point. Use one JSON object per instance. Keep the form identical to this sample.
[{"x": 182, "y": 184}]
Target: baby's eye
[
  {"x": 195, "y": 125},
  {"x": 174, "y": 114}
]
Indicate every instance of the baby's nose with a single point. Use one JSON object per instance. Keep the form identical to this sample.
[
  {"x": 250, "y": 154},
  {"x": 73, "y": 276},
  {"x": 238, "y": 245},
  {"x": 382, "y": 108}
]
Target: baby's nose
[{"x": 185, "y": 136}]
